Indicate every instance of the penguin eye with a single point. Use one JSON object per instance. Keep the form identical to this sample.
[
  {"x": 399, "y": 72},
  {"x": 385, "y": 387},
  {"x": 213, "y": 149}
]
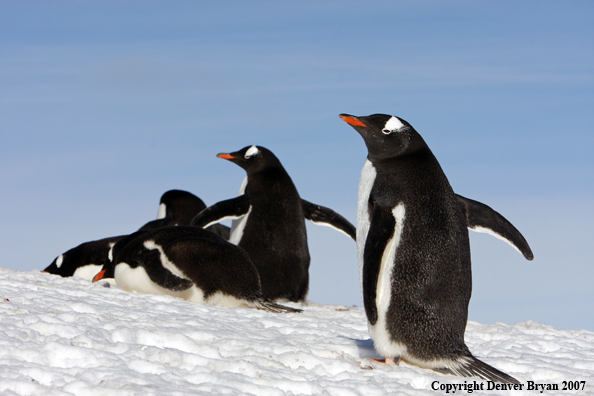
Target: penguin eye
[{"x": 392, "y": 125}]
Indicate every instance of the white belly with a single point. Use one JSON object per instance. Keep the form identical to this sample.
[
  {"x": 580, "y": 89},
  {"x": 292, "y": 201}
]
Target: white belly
[
  {"x": 379, "y": 332},
  {"x": 366, "y": 181},
  {"x": 238, "y": 225},
  {"x": 137, "y": 280},
  {"x": 87, "y": 271}
]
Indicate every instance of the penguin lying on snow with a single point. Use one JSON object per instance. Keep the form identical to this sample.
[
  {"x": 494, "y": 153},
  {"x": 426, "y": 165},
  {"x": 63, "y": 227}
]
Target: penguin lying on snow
[
  {"x": 414, "y": 251},
  {"x": 189, "y": 263},
  {"x": 271, "y": 225},
  {"x": 176, "y": 207}
]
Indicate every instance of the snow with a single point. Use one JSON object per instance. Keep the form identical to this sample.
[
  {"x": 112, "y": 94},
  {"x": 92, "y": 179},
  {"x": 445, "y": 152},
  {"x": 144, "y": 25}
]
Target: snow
[{"x": 67, "y": 336}]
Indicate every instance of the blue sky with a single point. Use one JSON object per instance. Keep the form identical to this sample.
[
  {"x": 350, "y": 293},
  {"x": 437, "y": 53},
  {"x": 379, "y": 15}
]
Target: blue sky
[{"x": 106, "y": 105}]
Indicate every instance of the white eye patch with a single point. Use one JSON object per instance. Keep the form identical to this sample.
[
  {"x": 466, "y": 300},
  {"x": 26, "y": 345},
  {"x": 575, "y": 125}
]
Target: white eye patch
[
  {"x": 251, "y": 151},
  {"x": 392, "y": 125}
]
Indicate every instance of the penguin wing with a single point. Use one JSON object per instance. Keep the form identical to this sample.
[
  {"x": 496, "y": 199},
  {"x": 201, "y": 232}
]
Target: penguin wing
[
  {"x": 326, "y": 216},
  {"x": 481, "y": 218},
  {"x": 162, "y": 276},
  {"x": 381, "y": 231},
  {"x": 230, "y": 209}
]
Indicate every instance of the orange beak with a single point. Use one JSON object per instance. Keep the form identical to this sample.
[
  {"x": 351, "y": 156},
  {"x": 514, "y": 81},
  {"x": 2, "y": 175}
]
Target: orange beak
[
  {"x": 225, "y": 156},
  {"x": 352, "y": 121},
  {"x": 99, "y": 276}
]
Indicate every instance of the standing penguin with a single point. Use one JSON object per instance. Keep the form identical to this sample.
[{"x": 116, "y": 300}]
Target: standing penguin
[
  {"x": 189, "y": 263},
  {"x": 414, "y": 251},
  {"x": 271, "y": 225}
]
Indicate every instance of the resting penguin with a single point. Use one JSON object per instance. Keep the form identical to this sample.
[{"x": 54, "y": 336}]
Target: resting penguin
[
  {"x": 83, "y": 261},
  {"x": 86, "y": 260},
  {"x": 189, "y": 263},
  {"x": 271, "y": 225},
  {"x": 178, "y": 207},
  {"x": 414, "y": 251}
]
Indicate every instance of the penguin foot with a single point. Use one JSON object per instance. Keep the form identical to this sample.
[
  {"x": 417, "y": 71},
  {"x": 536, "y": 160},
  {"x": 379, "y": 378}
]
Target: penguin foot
[{"x": 388, "y": 360}]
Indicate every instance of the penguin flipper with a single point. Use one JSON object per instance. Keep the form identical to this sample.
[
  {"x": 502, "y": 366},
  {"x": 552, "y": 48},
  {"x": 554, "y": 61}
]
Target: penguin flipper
[
  {"x": 161, "y": 275},
  {"x": 381, "y": 230},
  {"x": 326, "y": 216},
  {"x": 482, "y": 218},
  {"x": 469, "y": 366},
  {"x": 229, "y": 209}
]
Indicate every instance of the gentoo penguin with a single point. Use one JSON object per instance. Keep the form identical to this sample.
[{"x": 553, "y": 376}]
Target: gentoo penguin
[
  {"x": 83, "y": 261},
  {"x": 414, "y": 251},
  {"x": 189, "y": 263},
  {"x": 271, "y": 225},
  {"x": 178, "y": 207}
]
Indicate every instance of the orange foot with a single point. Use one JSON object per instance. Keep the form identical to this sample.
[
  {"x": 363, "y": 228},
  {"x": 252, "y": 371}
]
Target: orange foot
[{"x": 388, "y": 360}]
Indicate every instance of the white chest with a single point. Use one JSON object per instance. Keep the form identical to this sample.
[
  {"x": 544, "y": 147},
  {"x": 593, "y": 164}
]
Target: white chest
[
  {"x": 368, "y": 174},
  {"x": 379, "y": 332},
  {"x": 238, "y": 224}
]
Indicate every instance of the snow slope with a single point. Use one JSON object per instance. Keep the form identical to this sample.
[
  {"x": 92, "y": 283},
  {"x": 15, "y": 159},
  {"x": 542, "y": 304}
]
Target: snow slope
[{"x": 70, "y": 337}]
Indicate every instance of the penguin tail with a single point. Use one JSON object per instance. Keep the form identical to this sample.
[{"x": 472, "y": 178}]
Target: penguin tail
[
  {"x": 469, "y": 366},
  {"x": 269, "y": 306}
]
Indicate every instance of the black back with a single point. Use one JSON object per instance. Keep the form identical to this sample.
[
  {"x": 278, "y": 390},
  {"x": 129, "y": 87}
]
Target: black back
[{"x": 206, "y": 259}]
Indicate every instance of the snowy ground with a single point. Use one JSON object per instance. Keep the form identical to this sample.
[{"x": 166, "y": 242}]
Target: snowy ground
[{"x": 70, "y": 337}]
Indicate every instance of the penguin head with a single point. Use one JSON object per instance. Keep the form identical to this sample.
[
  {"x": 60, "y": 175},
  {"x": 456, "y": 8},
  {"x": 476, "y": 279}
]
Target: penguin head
[
  {"x": 62, "y": 265},
  {"x": 252, "y": 158},
  {"x": 385, "y": 136},
  {"x": 175, "y": 204},
  {"x": 69, "y": 262}
]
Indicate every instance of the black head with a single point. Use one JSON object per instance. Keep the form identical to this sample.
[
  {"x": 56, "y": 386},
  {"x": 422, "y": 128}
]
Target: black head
[
  {"x": 386, "y": 136},
  {"x": 180, "y": 205},
  {"x": 252, "y": 158},
  {"x": 62, "y": 265},
  {"x": 179, "y": 198}
]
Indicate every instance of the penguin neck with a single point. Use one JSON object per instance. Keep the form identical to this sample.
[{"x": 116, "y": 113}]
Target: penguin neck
[
  {"x": 266, "y": 179},
  {"x": 420, "y": 154},
  {"x": 269, "y": 173}
]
